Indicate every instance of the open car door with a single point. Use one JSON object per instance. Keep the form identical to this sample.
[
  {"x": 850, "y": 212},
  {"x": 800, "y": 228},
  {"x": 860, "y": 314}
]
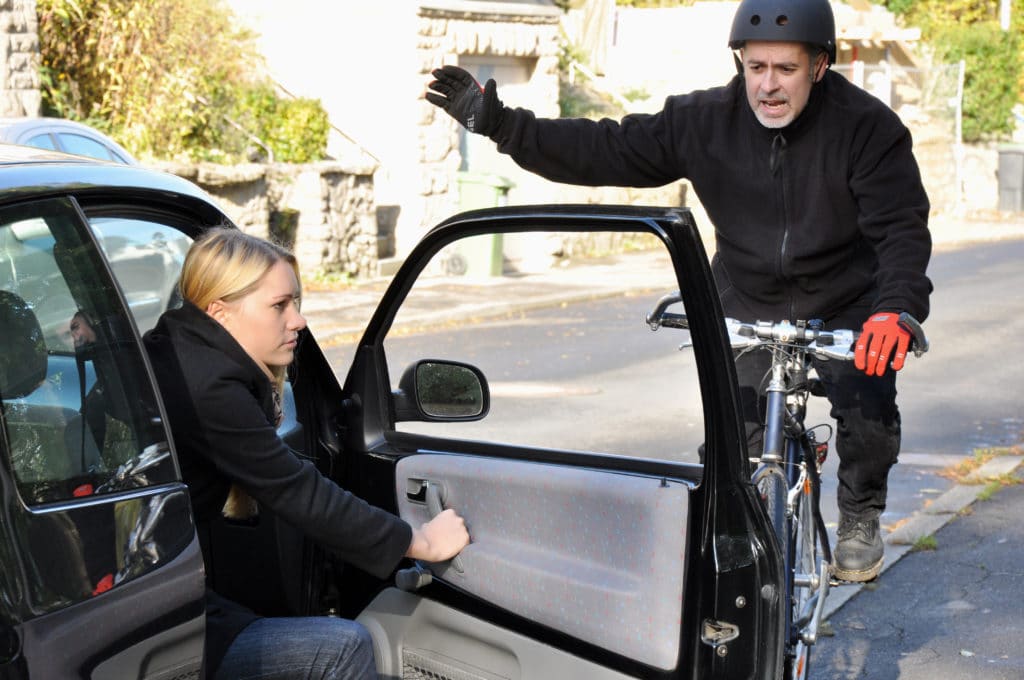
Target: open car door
[{"x": 567, "y": 435}]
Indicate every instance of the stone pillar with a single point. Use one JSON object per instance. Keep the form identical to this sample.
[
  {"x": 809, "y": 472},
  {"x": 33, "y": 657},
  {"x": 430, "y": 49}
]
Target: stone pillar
[{"x": 19, "y": 69}]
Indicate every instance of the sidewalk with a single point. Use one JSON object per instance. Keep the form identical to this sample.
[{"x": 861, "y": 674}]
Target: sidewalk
[{"x": 341, "y": 315}]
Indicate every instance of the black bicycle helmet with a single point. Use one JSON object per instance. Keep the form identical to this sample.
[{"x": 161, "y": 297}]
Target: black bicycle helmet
[{"x": 804, "y": 21}]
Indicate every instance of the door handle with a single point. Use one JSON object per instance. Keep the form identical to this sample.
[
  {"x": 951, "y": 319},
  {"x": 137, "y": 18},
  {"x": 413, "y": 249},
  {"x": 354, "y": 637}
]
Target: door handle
[{"x": 435, "y": 505}]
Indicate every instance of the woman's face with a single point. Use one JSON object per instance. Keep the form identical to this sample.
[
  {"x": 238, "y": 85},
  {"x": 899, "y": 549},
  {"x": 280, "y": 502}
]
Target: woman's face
[{"x": 266, "y": 322}]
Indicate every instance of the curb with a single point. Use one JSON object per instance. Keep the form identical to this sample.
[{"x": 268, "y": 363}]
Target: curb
[{"x": 927, "y": 521}]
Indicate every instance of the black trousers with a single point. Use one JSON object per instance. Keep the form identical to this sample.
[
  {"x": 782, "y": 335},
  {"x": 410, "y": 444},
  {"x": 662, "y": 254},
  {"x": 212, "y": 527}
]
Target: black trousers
[{"x": 867, "y": 426}]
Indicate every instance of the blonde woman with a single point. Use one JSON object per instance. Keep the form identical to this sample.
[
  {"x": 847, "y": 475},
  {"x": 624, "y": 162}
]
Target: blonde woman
[{"x": 220, "y": 361}]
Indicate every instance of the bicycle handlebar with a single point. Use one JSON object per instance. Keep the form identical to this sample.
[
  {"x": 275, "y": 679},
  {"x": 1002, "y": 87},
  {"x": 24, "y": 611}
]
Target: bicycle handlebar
[{"x": 832, "y": 344}]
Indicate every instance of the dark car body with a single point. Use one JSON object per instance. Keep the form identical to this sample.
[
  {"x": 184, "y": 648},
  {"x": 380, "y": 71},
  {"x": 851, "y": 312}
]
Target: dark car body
[{"x": 583, "y": 563}]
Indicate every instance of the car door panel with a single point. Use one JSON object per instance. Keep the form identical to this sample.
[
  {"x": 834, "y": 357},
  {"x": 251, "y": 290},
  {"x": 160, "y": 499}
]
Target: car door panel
[
  {"x": 113, "y": 636},
  {"x": 586, "y": 561},
  {"x": 594, "y": 554}
]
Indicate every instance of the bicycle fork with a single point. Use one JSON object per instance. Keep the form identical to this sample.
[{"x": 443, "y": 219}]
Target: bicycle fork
[{"x": 791, "y": 453}]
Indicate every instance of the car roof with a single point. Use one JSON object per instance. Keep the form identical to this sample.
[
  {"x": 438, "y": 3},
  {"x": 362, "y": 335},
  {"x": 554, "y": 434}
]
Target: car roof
[
  {"x": 28, "y": 172},
  {"x": 21, "y": 122},
  {"x": 16, "y": 131}
]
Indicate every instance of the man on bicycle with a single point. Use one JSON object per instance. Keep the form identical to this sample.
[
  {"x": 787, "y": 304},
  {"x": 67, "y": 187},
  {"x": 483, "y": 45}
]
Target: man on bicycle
[{"x": 818, "y": 207}]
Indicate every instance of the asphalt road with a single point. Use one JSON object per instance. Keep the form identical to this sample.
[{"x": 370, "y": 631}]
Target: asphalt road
[
  {"x": 944, "y": 614},
  {"x": 964, "y": 394}
]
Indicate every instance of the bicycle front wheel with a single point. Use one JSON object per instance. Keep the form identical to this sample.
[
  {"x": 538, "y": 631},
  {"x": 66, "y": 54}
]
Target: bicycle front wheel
[
  {"x": 773, "y": 488},
  {"x": 807, "y": 586}
]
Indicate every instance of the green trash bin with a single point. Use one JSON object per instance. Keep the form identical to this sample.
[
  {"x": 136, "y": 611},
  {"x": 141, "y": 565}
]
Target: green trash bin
[{"x": 482, "y": 255}]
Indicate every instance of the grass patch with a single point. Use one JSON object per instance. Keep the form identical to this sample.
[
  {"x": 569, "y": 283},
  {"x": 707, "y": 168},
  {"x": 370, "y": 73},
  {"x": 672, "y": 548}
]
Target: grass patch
[
  {"x": 323, "y": 280},
  {"x": 963, "y": 472},
  {"x": 1000, "y": 482},
  {"x": 925, "y": 543}
]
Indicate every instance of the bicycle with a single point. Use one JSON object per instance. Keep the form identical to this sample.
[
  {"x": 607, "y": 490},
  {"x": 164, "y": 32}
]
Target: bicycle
[{"x": 788, "y": 472}]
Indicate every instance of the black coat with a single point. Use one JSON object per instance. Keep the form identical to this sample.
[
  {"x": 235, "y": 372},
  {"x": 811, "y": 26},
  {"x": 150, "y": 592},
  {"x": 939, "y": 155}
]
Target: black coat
[
  {"x": 220, "y": 408},
  {"x": 826, "y": 218}
]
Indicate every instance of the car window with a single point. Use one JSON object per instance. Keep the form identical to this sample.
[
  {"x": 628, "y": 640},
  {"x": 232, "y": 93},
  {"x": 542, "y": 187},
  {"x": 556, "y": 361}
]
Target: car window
[
  {"x": 79, "y": 416},
  {"x": 146, "y": 256},
  {"x": 578, "y": 371},
  {"x": 44, "y": 141},
  {"x": 84, "y": 146}
]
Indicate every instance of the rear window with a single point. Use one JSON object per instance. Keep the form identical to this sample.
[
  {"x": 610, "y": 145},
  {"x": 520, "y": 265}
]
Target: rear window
[{"x": 79, "y": 416}]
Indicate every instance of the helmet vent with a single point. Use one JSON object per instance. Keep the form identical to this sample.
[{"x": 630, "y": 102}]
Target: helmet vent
[
  {"x": 755, "y": 20},
  {"x": 781, "y": 20}
]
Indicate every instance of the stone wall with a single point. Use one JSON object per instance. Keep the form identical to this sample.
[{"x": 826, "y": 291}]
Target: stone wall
[
  {"x": 19, "y": 73},
  {"x": 324, "y": 212}
]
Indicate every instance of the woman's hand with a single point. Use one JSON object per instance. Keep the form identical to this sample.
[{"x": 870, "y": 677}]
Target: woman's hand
[{"x": 439, "y": 539}]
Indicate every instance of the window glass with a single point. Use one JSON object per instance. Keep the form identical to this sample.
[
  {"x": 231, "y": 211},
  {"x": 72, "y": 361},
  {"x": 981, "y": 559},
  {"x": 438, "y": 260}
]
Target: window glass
[
  {"x": 146, "y": 258},
  {"x": 44, "y": 141},
  {"x": 79, "y": 415},
  {"x": 579, "y": 369},
  {"x": 84, "y": 146}
]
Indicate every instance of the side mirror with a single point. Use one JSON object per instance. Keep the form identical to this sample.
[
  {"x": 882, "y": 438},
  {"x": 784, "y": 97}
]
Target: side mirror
[{"x": 438, "y": 390}]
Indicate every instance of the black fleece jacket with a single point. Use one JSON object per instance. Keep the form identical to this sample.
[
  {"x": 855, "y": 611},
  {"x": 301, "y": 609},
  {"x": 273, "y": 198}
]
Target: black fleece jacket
[
  {"x": 825, "y": 218},
  {"x": 221, "y": 412}
]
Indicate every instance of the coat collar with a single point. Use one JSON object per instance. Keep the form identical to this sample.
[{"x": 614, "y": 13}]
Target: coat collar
[{"x": 190, "y": 325}]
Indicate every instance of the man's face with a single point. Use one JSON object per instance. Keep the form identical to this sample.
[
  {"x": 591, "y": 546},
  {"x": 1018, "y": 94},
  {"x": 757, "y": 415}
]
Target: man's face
[
  {"x": 82, "y": 333},
  {"x": 778, "y": 78}
]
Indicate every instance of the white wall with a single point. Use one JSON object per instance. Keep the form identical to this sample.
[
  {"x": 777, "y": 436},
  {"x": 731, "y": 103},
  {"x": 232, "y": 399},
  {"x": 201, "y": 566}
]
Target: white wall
[
  {"x": 671, "y": 51},
  {"x": 359, "y": 59}
]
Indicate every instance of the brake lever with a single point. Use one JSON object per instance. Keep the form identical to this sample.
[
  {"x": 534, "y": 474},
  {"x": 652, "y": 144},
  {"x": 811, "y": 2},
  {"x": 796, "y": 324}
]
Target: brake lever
[{"x": 913, "y": 326}]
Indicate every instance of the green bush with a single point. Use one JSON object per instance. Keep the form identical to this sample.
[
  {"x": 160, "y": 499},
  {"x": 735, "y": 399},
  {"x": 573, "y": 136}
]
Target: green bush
[
  {"x": 170, "y": 79},
  {"x": 993, "y": 64},
  {"x": 969, "y": 30},
  {"x": 294, "y": 130}
]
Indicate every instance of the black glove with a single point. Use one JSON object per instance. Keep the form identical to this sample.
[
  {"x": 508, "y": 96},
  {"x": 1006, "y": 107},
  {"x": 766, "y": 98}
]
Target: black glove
[{"x": 477, "y": 108}]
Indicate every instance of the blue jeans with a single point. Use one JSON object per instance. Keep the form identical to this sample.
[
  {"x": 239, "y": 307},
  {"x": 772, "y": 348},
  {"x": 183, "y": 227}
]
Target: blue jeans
[{"x": 313, "y": 648}]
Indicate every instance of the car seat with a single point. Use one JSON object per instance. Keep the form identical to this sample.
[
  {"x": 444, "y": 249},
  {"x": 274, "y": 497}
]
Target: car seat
[{"x": 22, "y": 348}]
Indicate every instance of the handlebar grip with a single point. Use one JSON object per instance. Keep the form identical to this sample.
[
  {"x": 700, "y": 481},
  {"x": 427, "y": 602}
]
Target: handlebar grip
[{"x": 913, "y": 326}]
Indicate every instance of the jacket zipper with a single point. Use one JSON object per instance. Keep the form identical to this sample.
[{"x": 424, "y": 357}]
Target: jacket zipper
[{"x": 777, "y": 165}]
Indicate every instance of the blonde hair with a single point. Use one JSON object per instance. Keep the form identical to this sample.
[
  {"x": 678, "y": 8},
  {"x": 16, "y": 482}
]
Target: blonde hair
[{"x": 228, "y": 264}]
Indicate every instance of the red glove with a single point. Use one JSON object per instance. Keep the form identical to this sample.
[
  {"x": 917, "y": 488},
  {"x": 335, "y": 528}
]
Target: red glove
[{"x": 882, "y": 338}]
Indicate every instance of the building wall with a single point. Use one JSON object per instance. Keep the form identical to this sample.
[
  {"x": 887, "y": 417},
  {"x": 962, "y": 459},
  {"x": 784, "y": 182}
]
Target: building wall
[
  {"x": 369, "y": 64},
  {"x": 473, "y": 35}
]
